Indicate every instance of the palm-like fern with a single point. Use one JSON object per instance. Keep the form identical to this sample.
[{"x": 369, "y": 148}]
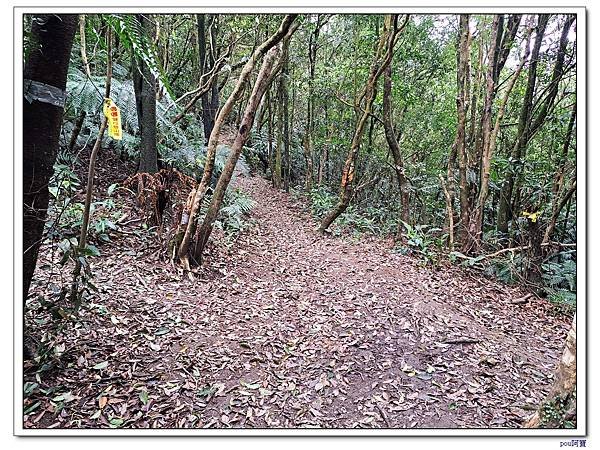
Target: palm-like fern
[
  {"x": 85, "y": 95},
  {"x": 132, "y": 36}
]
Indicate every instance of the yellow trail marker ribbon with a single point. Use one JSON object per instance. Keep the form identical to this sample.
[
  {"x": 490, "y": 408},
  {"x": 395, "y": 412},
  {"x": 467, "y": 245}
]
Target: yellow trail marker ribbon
[
  {"x": 531, "y": 216},
  {"x": 113, "y": 114}
]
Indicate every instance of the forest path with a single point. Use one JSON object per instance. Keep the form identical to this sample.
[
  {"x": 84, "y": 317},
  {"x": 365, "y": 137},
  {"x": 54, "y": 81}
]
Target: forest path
[{"x": 290, "y": 328}]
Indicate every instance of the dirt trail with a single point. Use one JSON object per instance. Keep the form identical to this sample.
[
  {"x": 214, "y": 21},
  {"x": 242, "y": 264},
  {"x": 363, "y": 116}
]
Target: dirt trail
[{"x": 289, "y": 328}]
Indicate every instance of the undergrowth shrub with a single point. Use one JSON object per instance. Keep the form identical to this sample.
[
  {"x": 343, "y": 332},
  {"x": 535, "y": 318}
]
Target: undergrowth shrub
[
  {"x": 233, "y": 214},
  {"x": 65, "y": 210},
  {"x": 422, "y": 240}
]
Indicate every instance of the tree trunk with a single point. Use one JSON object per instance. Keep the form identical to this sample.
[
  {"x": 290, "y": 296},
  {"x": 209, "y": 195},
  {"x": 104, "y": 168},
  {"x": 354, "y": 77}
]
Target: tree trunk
[
  {"x": 489, "y": 134},
  {"x": 547, "y": 104},
  {"x": 450, "y": 190},
  {"x": 561, "y": 401},
  {"x": 286, "y": 119},
  {"x": 309, "y": 127},
  {"x": 450, "y": 213},
  {"x": 258, "y": 91},
  {"x": 460, "y": 142},
  {"x": 364, "y": 103},
  {"x": 277, "y": 173},
  {"x": 476, "y": 224},
  {"x": 144, "y": 84},
  {"x": 559, "y": 178},
  {"x": 81, "y": 245},
  {"x": 324, "y": 158},
  {"x": 51, "y": 41},
  {"x": 84, "y": 58},
  {"x": 196, "y": 196},
  {"x": 88, "y": 72},
  {"x": 270, "y": 155},
  {"x": 394, "y": 146},
  {"x": 556, "y": 209},
  {"x": 504, "y": 207},
  {"x": 210, "y": 99},
  {"x": 76, "y": 131}
]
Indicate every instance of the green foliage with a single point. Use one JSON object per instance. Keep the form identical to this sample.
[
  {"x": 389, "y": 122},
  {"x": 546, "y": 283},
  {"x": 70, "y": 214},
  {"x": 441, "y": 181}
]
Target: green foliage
[
  {"x": 132, "y": 36},
  {"x": 85, "y": 95},
  {"x": 233, "y": 214},
  {"x": 560, "y": 274},
  {"x": 321, "y": 201},
  {"x": 421, "y": 239},
  {"x": 557, "y": 411},
  {"x": 507, "y": 268},
  {"x": 353, "y": 220},
  {"x": 65, "y": 213},
  {"x": 560, "y": 280}
]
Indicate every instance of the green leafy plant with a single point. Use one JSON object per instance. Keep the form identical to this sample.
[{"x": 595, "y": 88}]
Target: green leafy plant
[
  {"x": 236, "y": 207},
  {"x": 421, "y": 239},
  {"x": 557, "y": 411},
  {"x": 321, "y": 201},
  {"x": 132, "y": 36},
  {"x": 560, "y": 280},
  {"x": 85, "y": 96}
]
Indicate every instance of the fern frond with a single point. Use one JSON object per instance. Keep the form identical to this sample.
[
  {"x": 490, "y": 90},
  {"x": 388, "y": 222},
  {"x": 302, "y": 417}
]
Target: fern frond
[{"x": 133, "y": 37}]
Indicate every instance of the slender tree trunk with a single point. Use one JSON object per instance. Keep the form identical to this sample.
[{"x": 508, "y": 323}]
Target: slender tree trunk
[
  {"x": 84, "y": 58},
  {"x": 324, "y": 158},
  {"x": 546, "y": 107},
  {"x": 277, "y": 172},
  {"x": 557, "y": 208},
  {"x": 450, "y": 190},
  {"x": 507, "y": 38},
  {"x": 460, "y": 142},
  {"x": 86, "y": 67},
  {"x": 364, "y": 103},
  {"x": 506, "y": 195},
  {"x": 566, "y": 219},
  {"x": 258, "y": 91},
  {"x": 285, "y": 117},
  {"x": 559, "y": 180},
  {"x": 309, "y": 127},
  {"x": 196, "y": 196},
  {"x": 210, "y": 99},
  {"x": 144, "y": 84},
  {"x": 81, "y": 245},
  {"x": 270, "y": 155},
  {"x": 48, "y": 61},
  {"x": 490, "y": 134},
  {"x": 76, "y": 131},
  {"x": 388, "y": 126},
  {"x": 449, "y": 212}
]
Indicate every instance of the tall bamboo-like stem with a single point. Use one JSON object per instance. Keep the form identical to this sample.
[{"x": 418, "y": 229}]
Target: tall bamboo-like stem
[{"x": 84, "y": 58}]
